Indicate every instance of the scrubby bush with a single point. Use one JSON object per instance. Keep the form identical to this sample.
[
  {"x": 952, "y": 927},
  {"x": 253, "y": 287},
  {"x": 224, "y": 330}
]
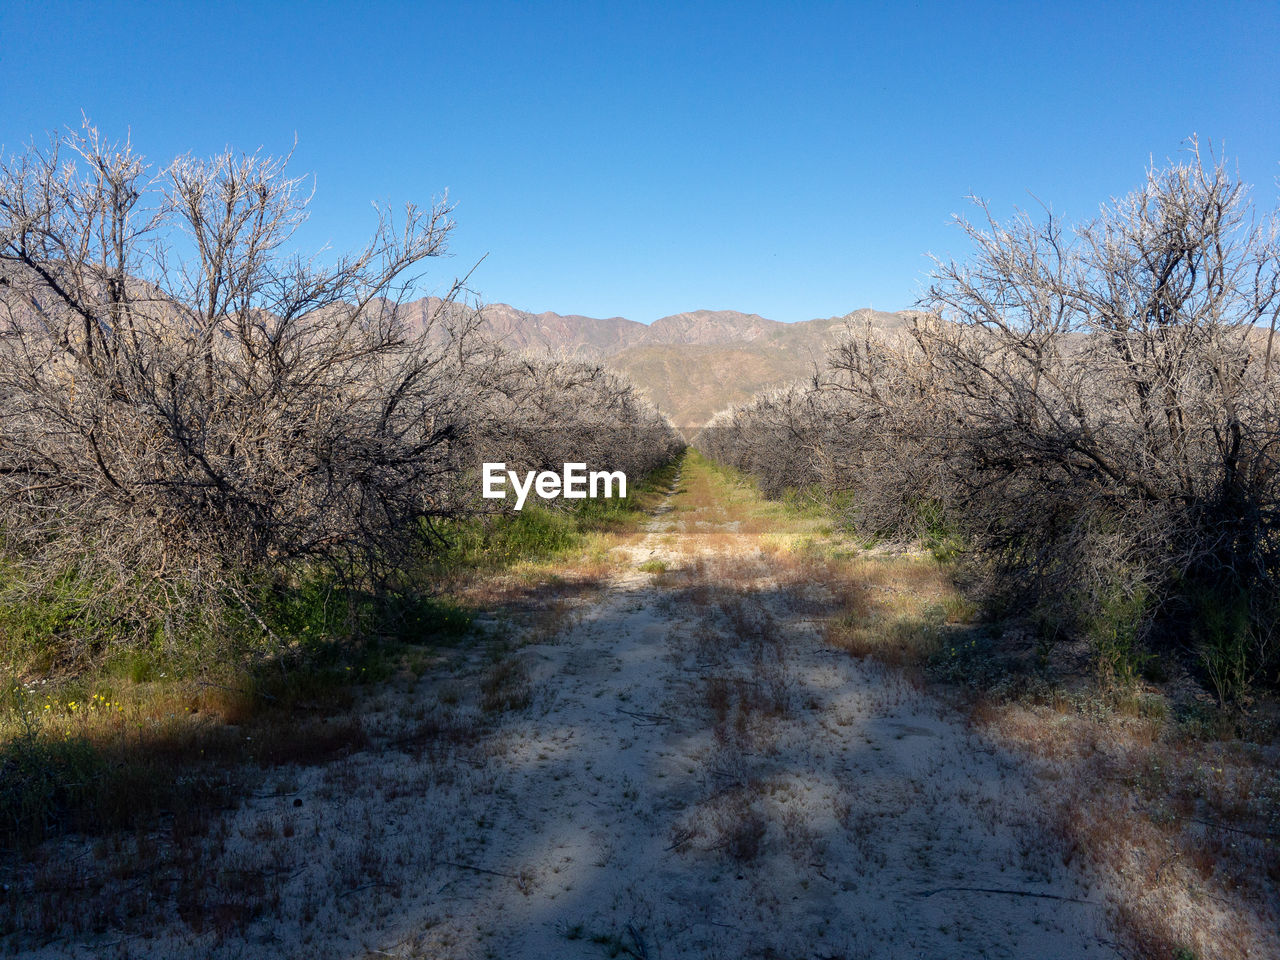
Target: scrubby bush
[
  {"x": 1091, "y": 413},
  {"x": 192, "y": 417}
]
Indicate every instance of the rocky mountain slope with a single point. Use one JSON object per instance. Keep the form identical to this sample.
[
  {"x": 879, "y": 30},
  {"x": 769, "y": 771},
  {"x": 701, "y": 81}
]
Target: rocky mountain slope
[{"x": 689, "y": 364}]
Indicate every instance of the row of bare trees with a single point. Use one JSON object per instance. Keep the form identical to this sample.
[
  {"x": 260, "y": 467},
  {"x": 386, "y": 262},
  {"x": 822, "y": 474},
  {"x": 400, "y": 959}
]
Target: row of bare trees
[
  {"x": 1091, "y": 413},
  {"x": 185, "y": 406}
]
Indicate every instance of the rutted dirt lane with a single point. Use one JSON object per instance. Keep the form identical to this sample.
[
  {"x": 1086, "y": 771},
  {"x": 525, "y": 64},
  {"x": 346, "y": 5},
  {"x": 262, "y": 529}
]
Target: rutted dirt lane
[{"x": 703, "y": 779}]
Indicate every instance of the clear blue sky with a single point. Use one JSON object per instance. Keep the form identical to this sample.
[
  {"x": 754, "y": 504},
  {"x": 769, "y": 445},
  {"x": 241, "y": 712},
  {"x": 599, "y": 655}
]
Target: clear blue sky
[{"x": 793, "y": 160}]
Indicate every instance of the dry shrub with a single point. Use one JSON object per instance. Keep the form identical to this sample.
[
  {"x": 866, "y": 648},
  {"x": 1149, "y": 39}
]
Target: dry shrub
[
  {"x": 734, "y": 701},
  {"x": 1088, "y": 415},
  {"x": 749, "y": 623},
  {"x": 193, "y": 419},
  {"x": 718, "y": 694},
  {"x": 174, "y": 422},
  {"x": 737, "y": 825},
  {"x": 506, "y": 686}
]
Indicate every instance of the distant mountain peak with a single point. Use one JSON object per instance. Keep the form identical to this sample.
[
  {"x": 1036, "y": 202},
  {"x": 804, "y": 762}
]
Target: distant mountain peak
[
  {"x": 690, "y": 364},
  {"x": 708, "y": 326}
]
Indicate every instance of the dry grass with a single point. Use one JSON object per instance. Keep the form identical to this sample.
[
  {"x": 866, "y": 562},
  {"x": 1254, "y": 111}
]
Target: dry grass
[
  {"x": 214, "y": 863},
  {"x": 569, "y": 578},
  {"x": 731, "y": 581},
  {"x": 505, "y": 686},
  {"x": 1186, "y": 831},
  {"x": 895, "y": 609},
  {"x": 713, "y": 497},
  {"x": 117, "y": 757},
  {"x": 738, "y": 825}
]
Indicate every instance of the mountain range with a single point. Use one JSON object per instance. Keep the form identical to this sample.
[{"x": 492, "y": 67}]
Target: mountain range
[{"x": 691, "y": 365}]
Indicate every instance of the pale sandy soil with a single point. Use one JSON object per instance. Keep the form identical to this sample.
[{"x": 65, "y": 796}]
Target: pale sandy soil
[{"x": 849, "y": 815}]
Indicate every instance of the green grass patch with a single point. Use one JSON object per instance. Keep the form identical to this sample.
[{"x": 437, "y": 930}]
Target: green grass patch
[
  {"x": 501, "y": 540},
  {"x": 150, "y": 726},
  {"x": 542, "y": 532}
]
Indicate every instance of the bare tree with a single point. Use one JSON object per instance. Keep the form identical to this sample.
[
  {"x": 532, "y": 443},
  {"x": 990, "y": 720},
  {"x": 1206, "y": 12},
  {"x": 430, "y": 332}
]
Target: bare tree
[
  {"x": 1114, "y": 389},
  {"x": 1094, "y": 411},
  {"x": 182, "y": 401},
  {"x": 187, "y": 409}
]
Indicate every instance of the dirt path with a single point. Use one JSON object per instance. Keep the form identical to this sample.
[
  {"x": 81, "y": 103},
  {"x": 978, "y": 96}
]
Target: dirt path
[
  {"x": 695, "y": 775},
  {"x": 710, "y": 780}
]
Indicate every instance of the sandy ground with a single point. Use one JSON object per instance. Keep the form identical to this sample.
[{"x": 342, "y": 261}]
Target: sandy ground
[{"x": 689, "y": 780}]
